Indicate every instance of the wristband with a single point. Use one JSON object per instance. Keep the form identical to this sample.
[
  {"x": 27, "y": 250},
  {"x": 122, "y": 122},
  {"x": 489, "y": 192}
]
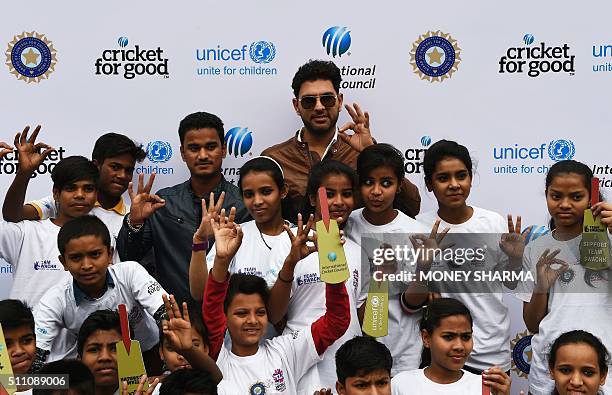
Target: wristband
[
  {"x": 200, "y": 246},
  {"x": 132, "y": 228},
  {"x": 283, "y": 280}
]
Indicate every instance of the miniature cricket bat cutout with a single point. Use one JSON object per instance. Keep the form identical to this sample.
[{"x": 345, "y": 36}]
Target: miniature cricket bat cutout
[
  {"x": 332, "y": 261},
  {"x": 486, "y": 390},
  {"x": 130, "y": 365},
  {"x": 376, "y": 317},
  {"x": 594, "y": 246},
  {"x": 6, "y": 369}
]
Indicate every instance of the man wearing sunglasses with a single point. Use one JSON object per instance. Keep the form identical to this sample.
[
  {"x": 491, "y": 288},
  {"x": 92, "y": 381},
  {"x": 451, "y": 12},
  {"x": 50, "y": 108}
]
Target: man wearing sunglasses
[{"x": 318, "y": 101}]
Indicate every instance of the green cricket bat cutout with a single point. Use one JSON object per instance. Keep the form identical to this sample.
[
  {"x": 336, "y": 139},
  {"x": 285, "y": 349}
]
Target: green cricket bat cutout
[
  {"x": 376, "y": 317},
  {"x": 130, "y": 365},
  {"x": 6, "y": 369},
  {"x": 332, "y": 261},
  {"x": 594, "y": 245}
]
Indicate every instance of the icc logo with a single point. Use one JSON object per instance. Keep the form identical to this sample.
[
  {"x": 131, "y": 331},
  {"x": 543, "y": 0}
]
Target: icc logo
[
  {"x": 561, "y": 150},
  {"x": 239, "y": 141},
  {"x": 159, "y": 151},
  {"x": 425, "y": 141},
  {"x": 122, "y": 41},
  {"x": 262, "y": 52},
  {"x": 336, "y": 40},
  {"x": 528, "y": 39}
]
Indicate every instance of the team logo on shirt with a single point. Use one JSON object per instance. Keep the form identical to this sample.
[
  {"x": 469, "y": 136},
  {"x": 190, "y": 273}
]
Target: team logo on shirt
[
  {"x": 521, "y": 353},
  {"x": 257, "y": 389},
  {"x": 45, "y": 264},
  {"x": 153, "y": 287},
  {"x": 308, "y": 278},
  {"x": 567, "y": 276},
  {"x": 279, "y": 380}
]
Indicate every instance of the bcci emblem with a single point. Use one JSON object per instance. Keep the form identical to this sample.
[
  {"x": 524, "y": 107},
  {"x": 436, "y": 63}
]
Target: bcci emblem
[
  {"x": 567, "y": 276},
  {"x": 521, "y": 353},
  {"x": 257, "y": 389},
  {"x": 31, "y": 57},
  {"x": 262, "y": 52},
  {"x": 159, "y": 151},
  {"x": 435, "y": 56}
]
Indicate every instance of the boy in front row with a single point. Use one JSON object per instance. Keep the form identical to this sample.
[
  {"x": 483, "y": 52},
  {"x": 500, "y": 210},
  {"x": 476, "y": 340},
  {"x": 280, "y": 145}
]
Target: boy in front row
[{"x": 85, "y": 251}]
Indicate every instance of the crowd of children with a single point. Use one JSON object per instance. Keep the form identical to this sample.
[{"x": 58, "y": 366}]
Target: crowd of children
[{"x": 260, "y": 319}]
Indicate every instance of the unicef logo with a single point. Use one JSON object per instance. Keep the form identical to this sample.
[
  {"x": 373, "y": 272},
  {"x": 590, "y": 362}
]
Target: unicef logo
[
  {"x": 561, "y": 150},
  {"x": 375, "y": 301},
  {"x": 435, "y": 56},
  {"x": 262, "y": 52},
  {"x": 336, "y": 40},
  {"x": 159, "y": 151},
  {"x": 528, "y": 39},
  {"x": 239, "y": 141},
  {"x": 122, "y": 41},
  {"x": 31, "y": 57},
  {"x": 521, "y": 353},
  {"x": 425, "y": 141},
  {"x": 257, "y": 389}
]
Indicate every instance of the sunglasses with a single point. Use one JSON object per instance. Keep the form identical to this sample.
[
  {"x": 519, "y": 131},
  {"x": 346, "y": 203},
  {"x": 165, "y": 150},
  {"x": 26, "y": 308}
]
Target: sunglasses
[{"x": 309, "y": 102}]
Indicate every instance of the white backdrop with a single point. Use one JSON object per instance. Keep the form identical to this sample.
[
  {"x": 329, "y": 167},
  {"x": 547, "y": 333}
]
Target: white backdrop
[{"x": 478, "y": 106}]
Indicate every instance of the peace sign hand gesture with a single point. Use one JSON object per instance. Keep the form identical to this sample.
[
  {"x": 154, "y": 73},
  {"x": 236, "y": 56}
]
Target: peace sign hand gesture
[
  {"x": 228, "y": 236},
  {"x": 428, "y": 245},
  {"x": 205, "y": 230},
  {"x": 362, "y": 137},
  {"x": 546, "y": 275},
  {"x": 144, "y": 204},
  {"x": 299, "y": 247},
  {"x": 4, "y": 149},
  {"x": 30, "y": 155},
  {"x": 513, "y": 242}
]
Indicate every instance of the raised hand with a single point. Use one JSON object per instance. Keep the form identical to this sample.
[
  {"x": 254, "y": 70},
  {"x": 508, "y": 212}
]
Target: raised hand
[
  {"x": 362, "y": 137},
  {"x": 4, "y": 149},
  {"x": 498, "y": 380},
  {"x": 205, "y": 231},
  {"x": 144, "y": 204},
  {"x": 177, "y": 329},
  {"x": 513, "y": 242},
  {"x": 228, "y": 235},
  {"x": 604, "y": 211},
  {"x": 299, "y": 247},
  {"x": 428, "y": 245},
  {"x": 139, "y": 389},
  {"x": 323, "y": 391},
  {"x": 30, "y": 155},
  {"x": 546, "y": 275}
]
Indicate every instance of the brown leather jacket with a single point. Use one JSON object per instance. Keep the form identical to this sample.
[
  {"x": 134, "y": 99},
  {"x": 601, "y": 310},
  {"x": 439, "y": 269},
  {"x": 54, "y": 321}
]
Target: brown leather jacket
[{"x": 297, "y": 160}]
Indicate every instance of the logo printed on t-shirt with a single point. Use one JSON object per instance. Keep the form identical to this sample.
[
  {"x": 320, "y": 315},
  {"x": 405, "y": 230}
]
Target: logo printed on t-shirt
[
  {"x": 250, "y": 270},
  {"x": 153, "y": 287},
  {"x": 45, "y": 264},
  {"x": 279, "y": 380},
  {"x": 308, "y": 278}
]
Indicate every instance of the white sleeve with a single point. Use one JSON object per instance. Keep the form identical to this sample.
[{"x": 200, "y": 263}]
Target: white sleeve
[
  {"x": 46, "y": 207},
  {"x": 210, "y": 257},
  {"x": 48, "y": 318},
  {"x": 11, "y": 241},
  {"x": 145, "y": 289},
  {"x": 299, "y": 351},
  {"x": 277, "y": 260}
]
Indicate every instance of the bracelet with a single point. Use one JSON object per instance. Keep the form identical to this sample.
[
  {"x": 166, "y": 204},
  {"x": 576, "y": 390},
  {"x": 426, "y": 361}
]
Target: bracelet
[
  {"x": 283, "y": 280},
  {"x": 132, "y": 228},
  {"x": 200, "y": 246}
]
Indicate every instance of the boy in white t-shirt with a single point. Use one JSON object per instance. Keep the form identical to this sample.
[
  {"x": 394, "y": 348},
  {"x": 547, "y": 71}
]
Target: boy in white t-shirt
[
  {"x": 115, "y": 156},
  {"x": 276, "y": 365},
  {"x": 84, "y": 245},
  {"x": 30, "y": 247},
  {"x": 363, "y": 366},
  {"x": 381, "y": 168}
]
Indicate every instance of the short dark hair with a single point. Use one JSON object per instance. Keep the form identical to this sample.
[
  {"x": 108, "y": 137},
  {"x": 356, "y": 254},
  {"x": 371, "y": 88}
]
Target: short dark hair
[
  {"x": 192, "y": 381},
  {"x": 577, "y": 337},
  {"x": 15, "y": 314},
  {"x": 87, "y": 225},
  {"x": 245, "y": 284},
  {"x": 110, "y": 145},
  {"x": 72, "y": 169},
  {"x": 105, "y": 320},
  {"x": 200, "y": 120},
  {"x": 362, "y": 355},
  {"x": 445, "y": 149},
  {"x": 317, "y": 70},
  {"x": 379, "y": 155},
  {"x": 80, "y": 379}
]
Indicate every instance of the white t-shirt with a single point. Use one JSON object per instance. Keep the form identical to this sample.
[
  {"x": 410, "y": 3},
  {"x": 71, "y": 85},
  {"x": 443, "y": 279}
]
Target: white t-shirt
[
  {"x": 572, "y": 304},
  {"x": 403, "y": 338},
  {"x": 254, "y": 256},
  {"x": 414, "y": 382},
  {"x": 30, "y": 247},
  {"x": 112, "y": 218},
  {"x": 276, "y": 368},
  {"x": 307, "y": 304},
  {"x": 490, "y": 314},
  {"x": 132, "y": 286}
]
